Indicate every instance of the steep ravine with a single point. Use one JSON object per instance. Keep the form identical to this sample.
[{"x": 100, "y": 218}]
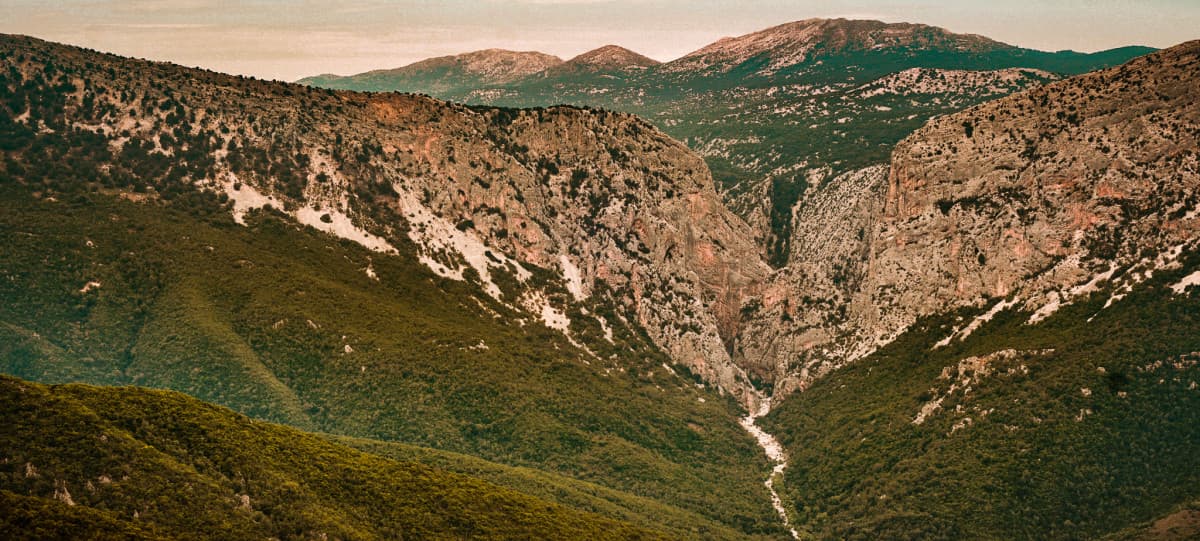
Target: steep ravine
[
  {"x": 775, "y": 453},
  {"x": 1063, "y": 195}
]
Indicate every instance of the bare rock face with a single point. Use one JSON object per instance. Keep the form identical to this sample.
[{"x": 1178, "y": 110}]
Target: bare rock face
[
  {"x": 1024, "y": 203},
  {"x": 1042, "y": 190},
  {"x": 601, "y": 198}
]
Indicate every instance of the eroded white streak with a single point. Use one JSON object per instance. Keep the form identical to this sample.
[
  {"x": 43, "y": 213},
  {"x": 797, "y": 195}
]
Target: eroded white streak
[
  {"x": 976, "y": 323},
  {"x": 436, "y": 234},
  {"x": 335, "y": 222},
  {"x": 339, "y": 224},
  {"x": 1062, "y": 298},
  {"x": 245, "y": 198},
  {"x": 1189, "y": 280},
  {"x": 572, "y": 277},
  {"x": 774, "y": 451}
]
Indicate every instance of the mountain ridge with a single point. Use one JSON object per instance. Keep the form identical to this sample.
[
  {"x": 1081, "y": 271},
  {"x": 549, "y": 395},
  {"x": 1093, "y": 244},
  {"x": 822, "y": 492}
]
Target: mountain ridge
[
  {"x": 795, "y": 42},
  {"x": 448, "y": 73}
]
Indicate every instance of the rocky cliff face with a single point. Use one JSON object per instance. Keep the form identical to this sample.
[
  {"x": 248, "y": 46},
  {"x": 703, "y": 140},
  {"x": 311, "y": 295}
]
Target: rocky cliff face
[
  {"x": 1041, "y": 191},
  {"x": 803, "y": 319},
  {"x": 604, "y": 200},
  {"x": 583, "y": 220},
  {"x": 1024, "y": 203}
]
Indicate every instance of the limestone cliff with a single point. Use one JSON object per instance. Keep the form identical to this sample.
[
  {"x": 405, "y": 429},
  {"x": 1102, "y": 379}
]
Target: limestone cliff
[
  {"x": 1024, "y": 203},
  {"x": 1033, "y": 194},
  {"x": 557, "y": 214}
]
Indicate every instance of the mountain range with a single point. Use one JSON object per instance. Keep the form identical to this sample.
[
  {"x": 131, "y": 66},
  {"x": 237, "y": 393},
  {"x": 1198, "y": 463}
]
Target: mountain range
[
  {"x": 978, "y": 321},
  {"x": 776, "y": 111}
]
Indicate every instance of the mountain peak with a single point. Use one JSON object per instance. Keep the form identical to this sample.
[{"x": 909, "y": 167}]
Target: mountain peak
[
  {"x": 797, "y": 42},
  {"x": 612, "y": 57}
]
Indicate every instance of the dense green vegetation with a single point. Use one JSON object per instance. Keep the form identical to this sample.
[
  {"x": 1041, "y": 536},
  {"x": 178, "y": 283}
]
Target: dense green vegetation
[
  {"x": 1090, "y": 427},
  {"x": 34, "y": 518},
  {"x": 581, "y": 495},
  {"x": 83, "y": 461}
]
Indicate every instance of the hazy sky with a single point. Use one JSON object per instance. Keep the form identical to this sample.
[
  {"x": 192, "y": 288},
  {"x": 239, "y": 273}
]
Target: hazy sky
[{"x": 288, "y": 39}]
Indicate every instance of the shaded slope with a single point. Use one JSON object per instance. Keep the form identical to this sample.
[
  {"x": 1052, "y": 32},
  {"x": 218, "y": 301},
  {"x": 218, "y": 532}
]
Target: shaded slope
[{"x": 581, "y": 495}]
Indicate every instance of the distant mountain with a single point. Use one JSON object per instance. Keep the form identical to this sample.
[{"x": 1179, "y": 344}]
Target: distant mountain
[
  {"x": 774, "y": 50},
  {"x": 446, "y": 74},
  {"x": 778, "y": 111}
]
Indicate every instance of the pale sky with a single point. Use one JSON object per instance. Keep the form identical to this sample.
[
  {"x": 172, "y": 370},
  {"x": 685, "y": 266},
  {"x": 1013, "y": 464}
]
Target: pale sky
[{"x": 289, "y": 39}]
